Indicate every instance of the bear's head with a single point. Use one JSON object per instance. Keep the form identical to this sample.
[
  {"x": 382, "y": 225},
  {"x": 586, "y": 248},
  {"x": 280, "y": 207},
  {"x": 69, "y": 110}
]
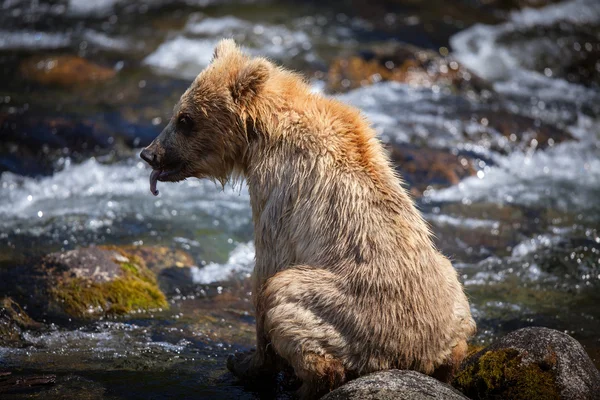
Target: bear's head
[{"x": 207, "y": 136}]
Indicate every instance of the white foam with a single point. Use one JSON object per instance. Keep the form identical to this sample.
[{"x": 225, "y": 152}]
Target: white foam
[
  {"x": 534, "y": 245},
  {"x": 191, "y": 50},
  {"x": 91, "y": 7},
  {"x": 260, "y": 39},
  {"x": 403, "y": 113},
  {"x": 566, "y": 177},
  {"x": 182, "y": 56},
  {"x": 482, "y": 49},
  {"x": 523, "y": 84},
  {"x": 472, "y": 223},
  {"x": 575, "y": 11},
  {"x": 103, "y": 340},
  {"x": 241, "y": 261},
  {"x": 216, "y": 26},
  {"x": 107, "y": 42},
  {"x": 32, "y": 40},
  {"x": 101, "y": 194}
]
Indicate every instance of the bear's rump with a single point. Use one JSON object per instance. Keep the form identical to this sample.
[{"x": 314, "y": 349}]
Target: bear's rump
[{"x": 310, "y": 310}]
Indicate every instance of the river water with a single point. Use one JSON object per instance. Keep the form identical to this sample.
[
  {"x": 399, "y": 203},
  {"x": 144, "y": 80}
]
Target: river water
[{"x": 523, "y": 231}]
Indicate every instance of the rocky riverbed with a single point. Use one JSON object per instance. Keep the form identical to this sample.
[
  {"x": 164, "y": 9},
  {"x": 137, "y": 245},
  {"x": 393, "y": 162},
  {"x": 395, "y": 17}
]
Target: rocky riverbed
[{"x": 490, "y": 112}]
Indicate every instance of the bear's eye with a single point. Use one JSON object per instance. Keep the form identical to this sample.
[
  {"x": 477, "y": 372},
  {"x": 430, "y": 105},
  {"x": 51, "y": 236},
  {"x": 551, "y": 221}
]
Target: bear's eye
[{"x": 184, "y": 124}]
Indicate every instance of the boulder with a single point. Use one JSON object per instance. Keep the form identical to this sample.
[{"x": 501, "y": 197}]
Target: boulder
[
  {"x": 394, "y": 384},
  {"x": 530, "y": 363}
]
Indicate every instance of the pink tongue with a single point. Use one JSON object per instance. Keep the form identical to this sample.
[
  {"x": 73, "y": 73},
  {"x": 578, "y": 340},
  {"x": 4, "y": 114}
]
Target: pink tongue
[{"x": 153, "y": 179}]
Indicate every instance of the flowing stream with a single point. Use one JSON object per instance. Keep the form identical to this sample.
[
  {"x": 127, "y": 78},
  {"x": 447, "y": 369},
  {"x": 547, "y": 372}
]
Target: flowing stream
[{"x": 523, "y": 231}]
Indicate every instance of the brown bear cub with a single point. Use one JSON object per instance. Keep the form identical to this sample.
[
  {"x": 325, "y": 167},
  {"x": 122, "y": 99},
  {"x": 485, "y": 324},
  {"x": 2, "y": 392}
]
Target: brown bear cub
[{"x": 347, "y": 280}]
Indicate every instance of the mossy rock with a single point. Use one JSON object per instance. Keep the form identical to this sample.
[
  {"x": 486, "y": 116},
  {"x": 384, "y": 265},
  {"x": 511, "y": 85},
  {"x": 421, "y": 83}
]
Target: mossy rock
[
  {"x": 171, "y": 266},
  {"x": 158, "y": 258},
  {"x": 94, "y": 281},
  {"x": 530, "y": 364},
  {"x": 502, "y": 374}
]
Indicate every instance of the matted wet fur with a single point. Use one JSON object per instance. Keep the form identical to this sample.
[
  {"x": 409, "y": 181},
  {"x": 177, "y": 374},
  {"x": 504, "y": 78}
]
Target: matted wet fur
[{"x": 347, "y": 280}]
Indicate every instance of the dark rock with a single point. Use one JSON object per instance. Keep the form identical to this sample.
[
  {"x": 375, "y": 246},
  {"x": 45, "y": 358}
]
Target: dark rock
[
  {"x": 402, "y": 63},
  {"x": 531, "y": 363},
  {"x": 394, "y": 384},
  {"x": 424, "y": 167}
]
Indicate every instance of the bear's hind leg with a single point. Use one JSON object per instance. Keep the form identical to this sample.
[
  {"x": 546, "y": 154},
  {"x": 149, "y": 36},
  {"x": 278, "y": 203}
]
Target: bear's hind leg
[{"x": 300, "y": 306}]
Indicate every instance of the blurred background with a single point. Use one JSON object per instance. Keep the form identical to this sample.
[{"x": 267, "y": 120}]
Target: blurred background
[{"x": 490, "y": 110}]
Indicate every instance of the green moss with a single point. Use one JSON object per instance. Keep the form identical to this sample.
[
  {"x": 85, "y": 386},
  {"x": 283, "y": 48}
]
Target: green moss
[
  {"x": 136, "y": 289},
  {"x": 473, "y": 348},
  {"x": 502, "y": 374}
]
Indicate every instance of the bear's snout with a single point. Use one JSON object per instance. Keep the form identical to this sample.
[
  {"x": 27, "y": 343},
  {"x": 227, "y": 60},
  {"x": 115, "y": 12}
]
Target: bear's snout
[{"x": 149, "y": 156}]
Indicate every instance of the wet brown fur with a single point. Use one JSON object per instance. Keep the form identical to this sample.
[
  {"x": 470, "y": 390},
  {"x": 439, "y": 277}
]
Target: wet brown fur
[{"x": 347, "y": 280}]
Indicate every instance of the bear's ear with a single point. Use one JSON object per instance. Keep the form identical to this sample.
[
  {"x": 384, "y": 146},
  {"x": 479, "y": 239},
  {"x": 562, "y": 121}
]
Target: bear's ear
[
  {"x": 250, "y": 80},
  {"x": 225, "y": 46}
]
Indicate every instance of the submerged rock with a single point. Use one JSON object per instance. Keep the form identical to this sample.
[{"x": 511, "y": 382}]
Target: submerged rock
[
  {"x": 402, "y": 63},
  {"x": 394, "y": 384},
  {"x": 31, "y": 144},
  {"x": 64, "y": 70},
  {"x": 424, "y": 167},
  {"x": 505, "y": 132},
  {"x": 531, "y": 363},
  {"x": 94, "y": 281}
]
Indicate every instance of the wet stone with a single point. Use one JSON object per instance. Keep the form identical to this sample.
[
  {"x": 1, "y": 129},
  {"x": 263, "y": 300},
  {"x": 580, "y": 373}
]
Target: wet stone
[
  {"x": 402, "y": 63},
  {"x": 531, "y": 363},
  {"x": 13, "y": 321},
  {"x": 394, "y": 384}
]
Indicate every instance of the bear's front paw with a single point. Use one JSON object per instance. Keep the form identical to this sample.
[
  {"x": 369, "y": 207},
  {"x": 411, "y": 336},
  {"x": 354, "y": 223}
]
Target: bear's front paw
[{"x": 247, "y": 366}]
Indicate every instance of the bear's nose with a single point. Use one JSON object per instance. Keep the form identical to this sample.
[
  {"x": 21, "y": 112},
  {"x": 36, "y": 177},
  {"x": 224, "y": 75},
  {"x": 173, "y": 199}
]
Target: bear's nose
[{"x": 149, "y": 156}]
